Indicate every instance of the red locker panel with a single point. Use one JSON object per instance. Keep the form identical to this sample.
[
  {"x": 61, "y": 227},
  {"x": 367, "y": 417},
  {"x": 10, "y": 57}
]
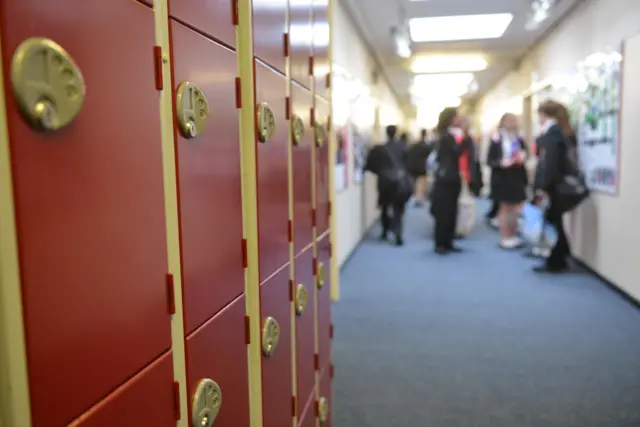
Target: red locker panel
[
  {"x": 269, "y": 25},
  {"x": 273, "y": 175},
  {"x": 276, "y": 368},
  {"x": 90, "y": 208},
  {"x": 321, "y": 38},
  {"x": 301, "y": 100},
  {"x": 146, "y": 399},
  {"x": 211, "y": 17},
  {"x": 324, "y": 301},
  {"x": 300, "y": 40},
  {"x": 209, "y": 181},
  {"x": 322, "y": 167},
  {"x": 308, "y": 411},
  {"x": 305, "y": 328},
  {"x": 325, "y": 403},
  {"x": 218, "y": 351}
]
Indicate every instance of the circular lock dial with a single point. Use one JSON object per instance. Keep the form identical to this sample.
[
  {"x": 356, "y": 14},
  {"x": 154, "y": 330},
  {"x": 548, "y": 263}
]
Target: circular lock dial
[
  {"x": 320, "y": 134},
  {"x": 297, "y": 129},
  {"x": 266, "y": 120},
  {"x": 270, "y": 336},
  {"x": 302, "y": 299},
  {"x": 192, "y": 110},
  {"x": 207, "y": 401},
  {"x": 323, "y": 405},
  {"x": 322, "y": 275},
  {"x": 47, "y": 84}
]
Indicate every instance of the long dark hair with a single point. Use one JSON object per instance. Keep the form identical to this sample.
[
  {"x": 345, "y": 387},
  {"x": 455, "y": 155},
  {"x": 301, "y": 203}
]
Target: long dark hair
[
  {"x": 560, "y": 114},
  {"x": 446, "y": 118}
]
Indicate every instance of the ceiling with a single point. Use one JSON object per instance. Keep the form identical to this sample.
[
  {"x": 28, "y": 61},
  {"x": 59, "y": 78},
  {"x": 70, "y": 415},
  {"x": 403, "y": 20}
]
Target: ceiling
[{"x": 375, "y": 21}]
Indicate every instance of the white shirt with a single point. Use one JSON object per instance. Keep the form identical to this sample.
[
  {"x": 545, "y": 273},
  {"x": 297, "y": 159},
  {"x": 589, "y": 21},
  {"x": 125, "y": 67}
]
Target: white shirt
[
  {"x": 507, "y": 139},
  {"x": 547, "y": 125}
]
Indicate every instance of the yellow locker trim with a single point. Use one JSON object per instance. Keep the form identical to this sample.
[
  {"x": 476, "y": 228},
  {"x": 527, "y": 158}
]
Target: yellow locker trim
[
  {"x": 161, "y": 13},
  {"x": 15, "y": 409},
  {"x": 244, "y": 52}
]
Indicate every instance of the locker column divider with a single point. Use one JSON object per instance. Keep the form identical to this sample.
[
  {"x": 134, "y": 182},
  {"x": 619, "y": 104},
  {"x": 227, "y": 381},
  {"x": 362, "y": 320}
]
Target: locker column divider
[
  {"x": 15, "y": 407},
  {"x": 247, "y": 118},
  {"x": 161, "y": 13}
]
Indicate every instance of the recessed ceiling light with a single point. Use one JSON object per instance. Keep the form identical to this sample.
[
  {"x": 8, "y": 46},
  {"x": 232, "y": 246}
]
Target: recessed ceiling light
[
  {"x": 460, "y": 27},
  {"x": 448, "y": 64},
  {"x": 437, "y": 85}
]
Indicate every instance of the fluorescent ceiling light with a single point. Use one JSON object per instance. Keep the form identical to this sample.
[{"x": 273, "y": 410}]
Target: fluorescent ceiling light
[
  {"x": 448, "y": 64},
  {"x": 434, "y": 85},
  {"x": 460, "y": 27}
]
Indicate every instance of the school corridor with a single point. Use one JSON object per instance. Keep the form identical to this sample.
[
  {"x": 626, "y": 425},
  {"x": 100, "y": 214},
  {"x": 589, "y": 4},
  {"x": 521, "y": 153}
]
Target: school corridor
[{"x": 478, "y": 340}]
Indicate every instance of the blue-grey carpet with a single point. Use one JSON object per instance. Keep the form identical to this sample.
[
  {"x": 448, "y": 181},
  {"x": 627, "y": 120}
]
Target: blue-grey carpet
[{"x": 478, "y": 340}]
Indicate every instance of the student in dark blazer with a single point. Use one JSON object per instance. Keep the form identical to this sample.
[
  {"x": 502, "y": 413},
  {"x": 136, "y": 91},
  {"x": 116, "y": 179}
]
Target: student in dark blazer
[
  {"x": 506, "y": 157},
  {"x": 557, "y": 148}
]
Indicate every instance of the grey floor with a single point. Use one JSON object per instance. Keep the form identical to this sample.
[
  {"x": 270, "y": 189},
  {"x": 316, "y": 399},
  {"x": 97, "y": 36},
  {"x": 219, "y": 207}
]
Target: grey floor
[{"x": 478, "y": 340}]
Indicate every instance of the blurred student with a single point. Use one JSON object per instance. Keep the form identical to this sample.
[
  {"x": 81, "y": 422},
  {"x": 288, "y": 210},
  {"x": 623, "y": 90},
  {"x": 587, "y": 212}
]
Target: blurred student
[
  {"x": 506, "y": 157},
  {"x": 417, "y": 160}
]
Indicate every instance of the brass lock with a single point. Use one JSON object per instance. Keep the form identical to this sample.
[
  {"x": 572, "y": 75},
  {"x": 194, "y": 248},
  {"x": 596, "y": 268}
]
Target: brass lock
[
  {"x": 323, "y": 413},
  {"x": 322, "y": 275},
  {"x": 47, "y": 84},
  {"x": 320, "y": 134},
  {"x": 266, "y": 122},
  {"x": 206, "y": 404},
  {"x": 192, "y": 110},
  {"x": 270, "y": 336},
  {"x": 297, "y": 129},
  {"x": 302, "y": 299}
]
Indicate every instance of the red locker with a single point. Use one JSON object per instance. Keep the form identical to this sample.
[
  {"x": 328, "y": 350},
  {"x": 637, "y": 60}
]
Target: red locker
[
  {"x": 305, "y": 329},
  {"x": 217, "y": 351},
  {"x": 308, "y": 411},
  {"x": 214, "y": 18},
  {"x": 324, "y": 301},
  {"x": 321, "y": 39},
  {"x": 300, "y": 41},
  {"x": 273, "y": 171},
  {"x": 301, "y": 100},
  {"x": 269, "y": 25},
  {"x": 276, "y": 361},
  {"x": 322, "y": 165},
  {"x": 89, "y": 201},
  {"x": 324, "y": 404},
  {"x": 209, "y": 179},
  {"x": 149, "y": 393}
]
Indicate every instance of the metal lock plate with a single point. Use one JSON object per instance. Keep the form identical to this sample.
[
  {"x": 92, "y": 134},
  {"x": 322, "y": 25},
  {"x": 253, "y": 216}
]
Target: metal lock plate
[
  {"x": 323, "y": 413},
  {"x": 47, "y": 84},
  {"x": 266, "y": 122},
  {"x": 297, "y": 129},
  {"x": 322, "y": 275},
  {"x": 302, "y": 299},
  {"x": 206, "y": 404},
  {"x": 192, "y": 110},
  {"x": 270, "y": 336},
  {"x": 320, "y": 134}
]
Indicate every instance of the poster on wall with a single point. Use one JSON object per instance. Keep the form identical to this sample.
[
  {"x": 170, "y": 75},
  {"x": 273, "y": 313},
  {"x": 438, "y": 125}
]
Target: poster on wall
[
  {"x": 359, "y": 143},
  {"x": 343, "y": 138}
]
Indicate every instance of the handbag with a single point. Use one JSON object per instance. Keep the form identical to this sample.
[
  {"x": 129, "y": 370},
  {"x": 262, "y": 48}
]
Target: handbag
[
  {"x": 398, "y": 181},
  {"x": 572, "y": 189}
]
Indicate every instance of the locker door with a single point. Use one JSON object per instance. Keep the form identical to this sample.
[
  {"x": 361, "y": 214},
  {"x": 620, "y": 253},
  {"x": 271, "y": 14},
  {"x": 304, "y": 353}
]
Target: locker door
[
  {"x": 308, "y": 417},
  {"x": 269, "y": 27},
  {"x": 301, "y": 101},
  {"x": 324, "y": 302},
  {"x": 273, "y": 171},
  {"x": 276, "y": 356},
  {"x": 217, "y": 352},
  {"x": 322, "y": 165},
  {"x": 209, "y": 177},
  {"x": 89, "y": 200},
  {"x": 305, "y": 329},
  {"x": 300, "y": 41},
  {"x": 214, "y": 18},
  {"x": 324, "y": 407},
  {"x": 321, "y": 39}
]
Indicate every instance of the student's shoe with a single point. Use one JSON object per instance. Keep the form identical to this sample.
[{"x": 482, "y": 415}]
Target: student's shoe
[
  {"x": 441, "y": 251},
  {"x": 493, "y": 222},
  {"x": 511, "y": 243},
  {"x": 399, "y": 241},
  {"x": 454, "y": 249},
  {"x": 544, "y": 268}
]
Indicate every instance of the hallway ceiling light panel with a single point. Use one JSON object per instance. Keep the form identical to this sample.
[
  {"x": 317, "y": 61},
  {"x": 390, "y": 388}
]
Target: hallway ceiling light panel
[
  {"x": 460, "y": 27},
  {"x": 426, "y": 64},
  {"x": 441, "y": 85}
]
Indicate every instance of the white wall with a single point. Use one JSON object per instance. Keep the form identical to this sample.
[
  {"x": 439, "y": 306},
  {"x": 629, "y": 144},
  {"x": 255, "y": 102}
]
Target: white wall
[
  {"x": 356, "y": 206},
  {"x": 605, "y": 232}
]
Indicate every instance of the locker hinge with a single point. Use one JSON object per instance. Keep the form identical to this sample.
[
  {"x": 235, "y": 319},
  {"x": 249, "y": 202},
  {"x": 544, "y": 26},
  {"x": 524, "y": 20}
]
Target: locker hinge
[
  {"x": 247, "y": 330},
  {"x": 316, "y": 362},
  {"x": 330, "y": 249},
  {"x": 317, "y": 408},
  {"x": 235, "y": 20},
  {"x": 294, "y": 409},
  {"x": 245, "y": 255},
  {"x": 285, "y": 44},
  {"x": 313, "y": 217},
  {"x": 171, "y": 294},
  {"x": 287, "y": 108},
  {"x": 327, "y": 81},
  {"x": 312, "y": 116},
  {"x": 292, "y": 291},
  {"x": 331, "y": 331},
  {"x": 290, "y": 231},
  {"x": 311, "y": 65},
  {"x": 238, "y": 93},
  {"x": 176, "y": 400},
  {"x": 332, "y": 371},
  {"x": 315, "y": 266},
  {"x": 157, "y": 67},
  {"x": 329, "y": 208}
]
